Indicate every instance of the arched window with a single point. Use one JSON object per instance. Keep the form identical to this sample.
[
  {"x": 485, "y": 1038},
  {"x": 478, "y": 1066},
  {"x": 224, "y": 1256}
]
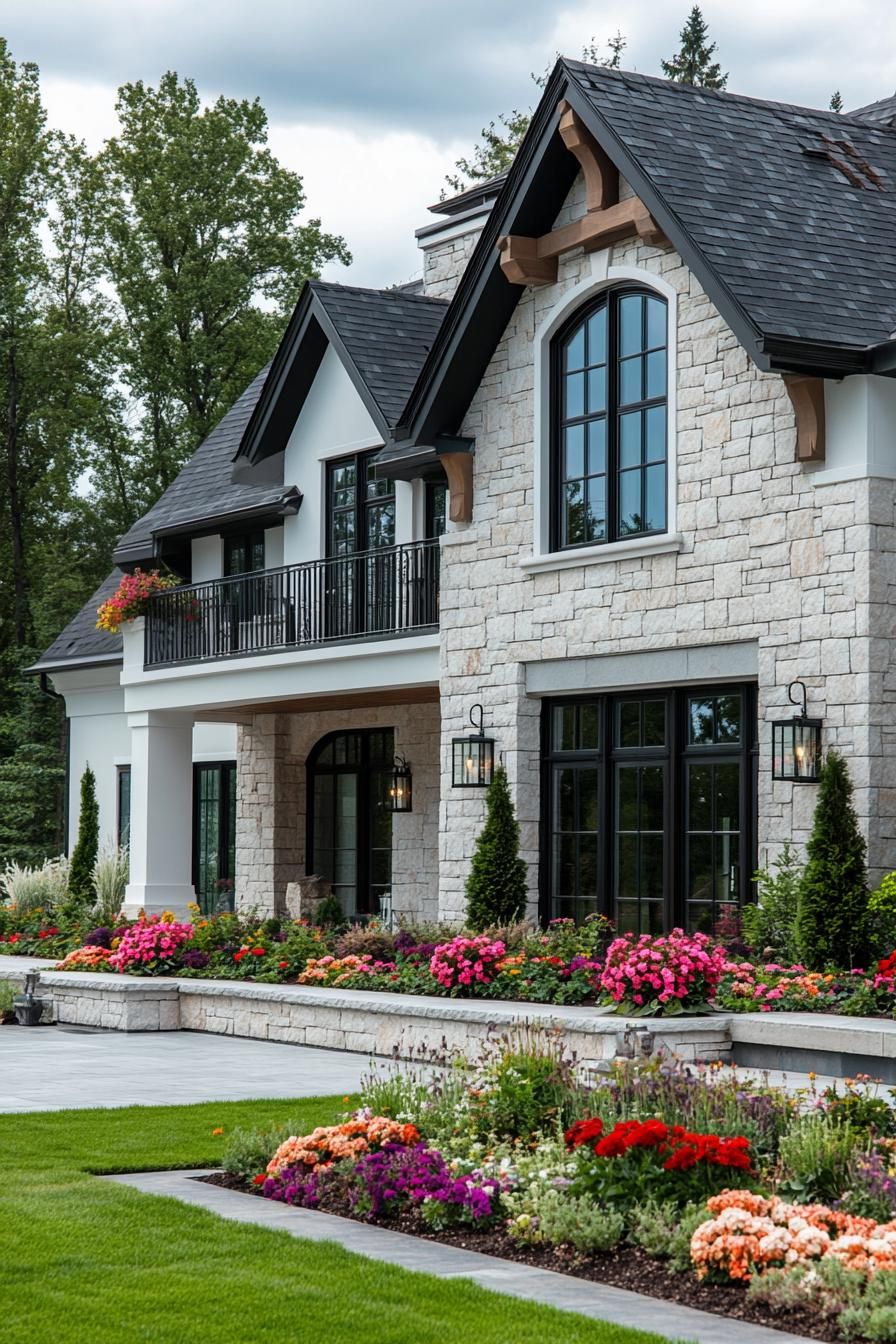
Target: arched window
[
  {"x": 349, "y": 827},
  {"x": 609, "y": 447}
]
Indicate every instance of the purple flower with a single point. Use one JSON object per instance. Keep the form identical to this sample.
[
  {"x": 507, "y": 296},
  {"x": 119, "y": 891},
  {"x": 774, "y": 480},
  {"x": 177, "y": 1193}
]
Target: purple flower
[{"x": 196, "y": 960}]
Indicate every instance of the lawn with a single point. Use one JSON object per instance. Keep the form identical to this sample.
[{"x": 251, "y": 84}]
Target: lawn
[{"x": 84, "y": 1261}]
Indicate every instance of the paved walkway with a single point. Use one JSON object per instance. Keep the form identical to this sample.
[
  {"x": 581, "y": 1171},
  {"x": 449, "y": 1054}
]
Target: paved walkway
[
  {"x": 61, "y": 1068},
  {"x": 595, "y": 1300}
]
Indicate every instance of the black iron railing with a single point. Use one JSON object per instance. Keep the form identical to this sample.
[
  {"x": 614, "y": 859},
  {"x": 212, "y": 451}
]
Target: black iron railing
[{"x": 385, "y": 592}]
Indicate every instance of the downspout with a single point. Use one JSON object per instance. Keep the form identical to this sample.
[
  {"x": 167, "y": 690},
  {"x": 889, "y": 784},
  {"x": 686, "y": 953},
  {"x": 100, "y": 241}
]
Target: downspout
[{"x": 47, "y": 690}]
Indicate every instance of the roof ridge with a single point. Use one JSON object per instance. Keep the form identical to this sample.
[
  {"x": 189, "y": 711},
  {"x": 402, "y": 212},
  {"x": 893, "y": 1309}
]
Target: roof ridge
[
  {"x": 316, "y": 285},
  {"x": 836, "y": 118}
]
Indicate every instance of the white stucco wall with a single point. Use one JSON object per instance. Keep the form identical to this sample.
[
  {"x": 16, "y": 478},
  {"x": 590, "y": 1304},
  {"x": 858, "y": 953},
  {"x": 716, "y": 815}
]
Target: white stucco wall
[
  {"x": 99, "y": 737},
  {"x": 207, "y": 558}
]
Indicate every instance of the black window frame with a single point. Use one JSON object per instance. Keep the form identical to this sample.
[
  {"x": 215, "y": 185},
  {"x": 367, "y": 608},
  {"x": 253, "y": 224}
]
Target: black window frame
[
  {"x": 364, "y": 768},
  {"x": 675, "y": 755},
  {"x": 610, "y": 300},
  {"x": 122, "y": 822},
  {"x": 362, "y": 505},
  {"x": 435, "y": 519},
  {"x": 226, "y": 838},
  {"x": 250, "y": 541}
]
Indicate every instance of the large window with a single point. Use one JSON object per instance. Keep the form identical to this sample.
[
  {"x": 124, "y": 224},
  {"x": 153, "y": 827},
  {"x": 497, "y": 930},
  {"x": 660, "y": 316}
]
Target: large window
[
  {"x": 360, "y": 508},
  {"x": 244, "y": 553},
  {"x": 649, "y": 803},
  {"x": 609, "y": 387}
]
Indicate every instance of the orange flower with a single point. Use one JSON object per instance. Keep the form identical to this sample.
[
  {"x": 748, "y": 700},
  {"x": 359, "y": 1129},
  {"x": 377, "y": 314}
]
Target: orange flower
[{"x": 216, "y": 1133}]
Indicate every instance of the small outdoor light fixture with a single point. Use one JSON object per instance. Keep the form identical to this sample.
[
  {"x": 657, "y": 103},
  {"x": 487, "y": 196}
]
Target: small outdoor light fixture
[
  {"x": 473, "y": 758},
  {"x": 400, "y": 790},
  {"x": 796, "y": 742}
]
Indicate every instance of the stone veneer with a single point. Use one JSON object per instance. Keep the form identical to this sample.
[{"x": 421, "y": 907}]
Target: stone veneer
[
  {"x": 804, "y": 571},
  {"x": 272, "y": 803}
]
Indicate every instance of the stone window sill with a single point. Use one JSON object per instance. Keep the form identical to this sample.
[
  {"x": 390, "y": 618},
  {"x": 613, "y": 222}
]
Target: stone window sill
[{"x": 636, "y": 548}]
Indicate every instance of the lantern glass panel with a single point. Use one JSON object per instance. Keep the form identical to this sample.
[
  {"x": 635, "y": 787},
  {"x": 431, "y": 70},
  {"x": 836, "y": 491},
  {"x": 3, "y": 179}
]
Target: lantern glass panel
[
  {"x": 473, "y": 762},
  {"x": 796, "y": 750},
  {"x": 400, "y": 791}
]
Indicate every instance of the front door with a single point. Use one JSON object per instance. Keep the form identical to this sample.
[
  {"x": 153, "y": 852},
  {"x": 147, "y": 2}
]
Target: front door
[{"x": 349, "y": 820}]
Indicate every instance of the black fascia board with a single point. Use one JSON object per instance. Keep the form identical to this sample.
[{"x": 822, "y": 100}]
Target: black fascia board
[
  {"x": 273, "y": 512},
  {"x": 294, "y": 369},
  {"x": 528, "y": 203}
]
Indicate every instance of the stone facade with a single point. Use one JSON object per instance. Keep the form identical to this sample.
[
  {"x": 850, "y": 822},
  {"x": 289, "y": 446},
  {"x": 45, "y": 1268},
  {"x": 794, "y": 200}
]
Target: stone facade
[
  {"x": 765, "y": 554},
  {"x": 272, "y": 803}
]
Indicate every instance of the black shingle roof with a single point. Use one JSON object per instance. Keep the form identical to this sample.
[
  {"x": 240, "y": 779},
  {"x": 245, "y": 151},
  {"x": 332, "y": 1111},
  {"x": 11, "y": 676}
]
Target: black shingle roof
[
  {"x": 204, "y": 488},
  {"x": 883, "y": 111},
  {"x": 80, "y": 641},
  {"x": 387, "y": 334},
  {"x": 804, "y": 251}
]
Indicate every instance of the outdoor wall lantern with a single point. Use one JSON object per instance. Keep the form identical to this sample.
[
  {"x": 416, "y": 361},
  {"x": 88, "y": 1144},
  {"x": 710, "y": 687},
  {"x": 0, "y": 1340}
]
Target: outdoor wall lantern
[
  {"x": 796, "y": 742},
  {"x": 473, "y": 758},
  {"x": 400, "y": 791}
]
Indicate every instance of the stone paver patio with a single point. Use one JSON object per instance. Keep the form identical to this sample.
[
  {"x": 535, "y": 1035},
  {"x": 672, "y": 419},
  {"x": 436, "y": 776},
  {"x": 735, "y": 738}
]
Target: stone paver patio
[{"x": 59, "y": 1068}]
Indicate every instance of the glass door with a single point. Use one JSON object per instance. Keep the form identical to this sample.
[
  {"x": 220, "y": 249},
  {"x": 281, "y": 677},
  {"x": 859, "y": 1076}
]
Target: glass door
[
  {"x": 214, "y": 836},
  {"x": 349, "y": 819},
  {"x": 360, "y": 540}
]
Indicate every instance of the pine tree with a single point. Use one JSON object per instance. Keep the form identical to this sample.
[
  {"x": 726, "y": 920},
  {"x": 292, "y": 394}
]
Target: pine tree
[
  {"x": 832, "y": 911},
  {"x": 496, "y": 887},
  {"x": 836, "y": 103},
  {"x": 693, "y": 63},
  {"x": 84, "y": 856}
]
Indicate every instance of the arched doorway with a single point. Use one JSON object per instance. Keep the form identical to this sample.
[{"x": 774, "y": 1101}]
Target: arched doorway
[{"x": 349, "y": 821}]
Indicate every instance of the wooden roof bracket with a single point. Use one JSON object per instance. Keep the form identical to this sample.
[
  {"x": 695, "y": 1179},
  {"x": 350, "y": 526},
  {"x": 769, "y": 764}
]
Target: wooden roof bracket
[
  {"x": 456, "y": 456},
  {"x": 533, "y": 261},
  {"x": 807, "y": 397}
]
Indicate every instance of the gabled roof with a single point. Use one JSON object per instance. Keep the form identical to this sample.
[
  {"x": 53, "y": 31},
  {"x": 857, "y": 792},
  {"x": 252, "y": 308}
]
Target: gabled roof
[
  {"x": 204, "y": 491},
  {"x": 798, "y": 256},
  {"x": 883, "y": 111},
  {"x": 382, "y": 337},
  {"x": 80, "y": 641}
]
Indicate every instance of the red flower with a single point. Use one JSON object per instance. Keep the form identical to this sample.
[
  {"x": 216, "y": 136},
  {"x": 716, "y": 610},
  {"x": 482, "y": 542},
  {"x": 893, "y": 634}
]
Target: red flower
[
  {"x": 583, "y": 1131},
  {"x": 259, "y": 1179},
  {"x": 238, "y": 956},
  {"x": 259, "y": 952},
  {"x": 282, "y": 965}
]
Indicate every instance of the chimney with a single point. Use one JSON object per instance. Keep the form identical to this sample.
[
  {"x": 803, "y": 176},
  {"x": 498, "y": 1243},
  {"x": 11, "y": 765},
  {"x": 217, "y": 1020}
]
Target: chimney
[{"x": 447, "y": 244}]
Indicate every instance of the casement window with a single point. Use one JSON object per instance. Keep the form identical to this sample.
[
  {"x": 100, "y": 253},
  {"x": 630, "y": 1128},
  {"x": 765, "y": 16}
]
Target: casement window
[
  {"x": 649, "y": 806},
  {"x": 360, "y": 507},
  {"x": 609, "y": 385},
  {"x": 214, "y": 835}
]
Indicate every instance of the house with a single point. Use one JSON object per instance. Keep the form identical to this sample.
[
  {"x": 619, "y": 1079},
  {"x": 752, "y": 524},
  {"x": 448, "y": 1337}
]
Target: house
[{"x": 619, "y": 474}]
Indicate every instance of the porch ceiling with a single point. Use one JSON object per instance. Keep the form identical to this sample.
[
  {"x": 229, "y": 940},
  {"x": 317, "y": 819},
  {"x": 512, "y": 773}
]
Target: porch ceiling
[{"x": 314, "y": 704}]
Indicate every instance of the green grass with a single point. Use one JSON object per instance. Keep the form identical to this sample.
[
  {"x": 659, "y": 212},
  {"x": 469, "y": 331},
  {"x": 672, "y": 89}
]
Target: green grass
[{"x": 84, "y": 1261}]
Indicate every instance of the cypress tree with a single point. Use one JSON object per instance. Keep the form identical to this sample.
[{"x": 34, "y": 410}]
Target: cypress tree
[
  {"x": 693, "y": 63},
  {"x": 80, "y": 879},
  {"x": 832, "y": 910},
  {"x": 496, "y": 887}
]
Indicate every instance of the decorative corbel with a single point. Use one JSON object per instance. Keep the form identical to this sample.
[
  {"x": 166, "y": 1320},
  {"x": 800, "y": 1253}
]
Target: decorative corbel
[
  {"x": 600, "y": 173},
  {"x": 807, "y": 397},
  {"x": 456, "y": 456},
  {"x": 521, "y": 263}
]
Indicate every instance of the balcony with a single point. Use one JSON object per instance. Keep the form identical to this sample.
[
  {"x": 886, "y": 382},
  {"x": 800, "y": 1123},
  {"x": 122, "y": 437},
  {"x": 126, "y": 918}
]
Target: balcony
[{"x": 369, "y": 595}]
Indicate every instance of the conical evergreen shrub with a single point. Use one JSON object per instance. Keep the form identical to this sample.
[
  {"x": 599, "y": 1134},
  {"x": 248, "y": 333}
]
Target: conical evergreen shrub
[
  {"x": 80, "y": 878},
  {"x": 496, "y": 887},
  {"x": 832, "y": 910}
]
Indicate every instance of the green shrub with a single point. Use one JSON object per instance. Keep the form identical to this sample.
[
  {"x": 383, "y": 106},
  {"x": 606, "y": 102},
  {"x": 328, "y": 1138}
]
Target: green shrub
[
  {"x": 832, "y": 914},
  {"x": 496, "y": 887},
  {"x": 7, "y": 994},
  {"x": 770, "y": 925},
  {"x": 882, "y": 916},
  {"x": 367, "y": 940},
  {"x": 528, "y": 1088},
  {"x": 816, "y": 1154},
  {"x": 330, "y": 914},
  {"x": 665, "y": 1230},
  {"x": 557, "y": 1218},
  {"x": 248, "y": 1151},
  {"x": 85, "y": 852}
]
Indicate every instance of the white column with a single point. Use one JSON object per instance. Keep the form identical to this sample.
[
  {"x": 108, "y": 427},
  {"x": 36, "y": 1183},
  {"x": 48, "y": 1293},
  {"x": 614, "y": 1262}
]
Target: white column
[{"x": 161, "y": 846}]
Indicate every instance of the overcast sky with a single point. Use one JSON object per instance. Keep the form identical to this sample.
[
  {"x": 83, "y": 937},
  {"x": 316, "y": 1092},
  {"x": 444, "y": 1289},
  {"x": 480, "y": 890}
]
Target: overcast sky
[{"x": 373, "y": 102}]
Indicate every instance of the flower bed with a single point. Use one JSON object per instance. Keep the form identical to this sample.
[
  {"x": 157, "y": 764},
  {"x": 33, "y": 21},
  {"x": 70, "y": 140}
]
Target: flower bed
[{"x": 687, "y": 1183}]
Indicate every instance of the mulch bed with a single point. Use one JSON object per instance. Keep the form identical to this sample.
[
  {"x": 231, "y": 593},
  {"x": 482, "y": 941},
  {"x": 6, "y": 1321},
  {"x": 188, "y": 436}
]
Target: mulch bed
[{"x": 628, "y": 1267}]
